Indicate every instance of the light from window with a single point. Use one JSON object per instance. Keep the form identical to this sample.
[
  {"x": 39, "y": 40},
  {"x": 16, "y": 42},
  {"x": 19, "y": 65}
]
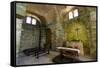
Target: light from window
[
  {"x": 70, "y": 15},
  {"x": 33, "y": 21},
  {"x": 28, "y": 20},
  {"x": 75, "y": 13}
]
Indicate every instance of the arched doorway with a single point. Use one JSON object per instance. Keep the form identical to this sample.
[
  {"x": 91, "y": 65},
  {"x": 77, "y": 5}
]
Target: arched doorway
[{"x": 48, "y": 37}]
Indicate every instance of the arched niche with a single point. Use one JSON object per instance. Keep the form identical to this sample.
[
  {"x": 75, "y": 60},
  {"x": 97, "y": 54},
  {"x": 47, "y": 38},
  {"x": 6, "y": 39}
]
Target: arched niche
[
  {"x": 34, "y": 35},
  {"x": 77, "y": 31},
  {"x": 31, "y": 29}
]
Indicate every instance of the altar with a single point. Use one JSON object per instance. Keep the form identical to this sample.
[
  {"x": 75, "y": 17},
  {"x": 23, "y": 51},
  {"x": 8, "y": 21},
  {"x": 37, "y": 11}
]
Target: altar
[{"x": 69, "y": 52}]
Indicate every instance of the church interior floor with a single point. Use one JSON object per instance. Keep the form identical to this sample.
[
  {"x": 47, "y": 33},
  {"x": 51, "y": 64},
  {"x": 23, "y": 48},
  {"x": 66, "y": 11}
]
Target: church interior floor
[{"x": 43, "y": 59}]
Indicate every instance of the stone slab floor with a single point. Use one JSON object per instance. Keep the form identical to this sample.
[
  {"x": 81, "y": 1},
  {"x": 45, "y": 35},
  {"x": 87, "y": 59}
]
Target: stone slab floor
[{"x": 43, "y": 59}]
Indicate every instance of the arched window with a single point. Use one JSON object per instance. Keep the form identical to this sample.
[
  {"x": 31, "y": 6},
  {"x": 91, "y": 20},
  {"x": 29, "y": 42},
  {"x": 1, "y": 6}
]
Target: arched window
[
  {"x": 31, "y": 20},
  {"x": 74, "y": 13},
  {"x": 70, "y": 15},
  {"x": 28, "y": 20}
]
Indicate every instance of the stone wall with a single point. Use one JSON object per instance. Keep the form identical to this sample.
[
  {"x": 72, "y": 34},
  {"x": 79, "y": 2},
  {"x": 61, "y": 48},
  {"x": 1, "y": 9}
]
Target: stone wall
[
  {"x": 93, "y": 23},
  {"x": 20, "y": 14},
  {"x": 18, "y": 33},
  {"x": 29, "y": 38}
]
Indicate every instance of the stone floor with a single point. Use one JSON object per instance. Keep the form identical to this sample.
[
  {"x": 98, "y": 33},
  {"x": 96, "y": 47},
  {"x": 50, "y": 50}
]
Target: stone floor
[{"x": 43, "y": 59}]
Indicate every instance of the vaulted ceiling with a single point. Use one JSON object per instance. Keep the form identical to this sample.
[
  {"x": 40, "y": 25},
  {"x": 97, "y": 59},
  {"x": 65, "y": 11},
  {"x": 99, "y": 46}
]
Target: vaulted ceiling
[{"x": 49, "y": 12}]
